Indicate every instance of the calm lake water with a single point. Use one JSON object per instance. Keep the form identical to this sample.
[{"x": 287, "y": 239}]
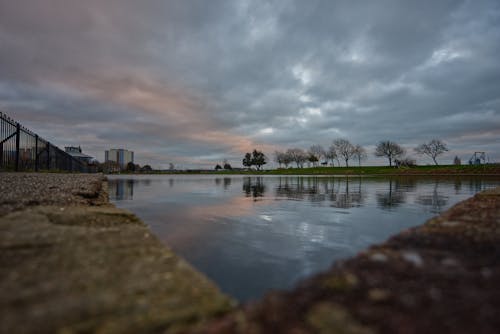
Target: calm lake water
[{"x": 252, "y": 234}]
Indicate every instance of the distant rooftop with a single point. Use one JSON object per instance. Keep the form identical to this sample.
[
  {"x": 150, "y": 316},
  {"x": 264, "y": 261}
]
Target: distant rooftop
[
  {"x": 73, "y": 149},
  {"x": 76, "y": 151}
]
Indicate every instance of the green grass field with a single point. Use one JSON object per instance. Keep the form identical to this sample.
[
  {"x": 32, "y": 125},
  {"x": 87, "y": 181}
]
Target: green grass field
[
  {"x": 491, "y": 169},
  {"x": 381, "y": 170}
]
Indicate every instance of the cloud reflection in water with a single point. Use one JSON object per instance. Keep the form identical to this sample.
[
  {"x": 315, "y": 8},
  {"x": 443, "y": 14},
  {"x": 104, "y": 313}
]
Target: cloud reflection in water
[{"x": 251, "y": 234}]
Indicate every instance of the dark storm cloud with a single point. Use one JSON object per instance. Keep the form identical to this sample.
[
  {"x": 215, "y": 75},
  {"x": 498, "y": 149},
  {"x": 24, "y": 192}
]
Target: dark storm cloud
[{"x": 193, "y": 82}]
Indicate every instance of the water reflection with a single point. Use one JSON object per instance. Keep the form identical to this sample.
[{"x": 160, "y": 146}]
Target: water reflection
[
  {"x": 338, "y": 192},
  {"x": 250, "y": 234},
  {"x": 123, "y": 190},
  {"x": 254, "y": 187},
  {"x": 395, "y": 195},
  {"x": 434, "y": 201}
]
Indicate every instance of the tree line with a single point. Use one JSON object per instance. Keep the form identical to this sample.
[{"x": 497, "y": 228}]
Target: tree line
[
  {"x": 114, "y": 167},
  {"x": 343, "y": 150}
]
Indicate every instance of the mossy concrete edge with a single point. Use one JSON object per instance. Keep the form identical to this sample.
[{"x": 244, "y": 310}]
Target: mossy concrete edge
[{"x": 91, "y": 267}]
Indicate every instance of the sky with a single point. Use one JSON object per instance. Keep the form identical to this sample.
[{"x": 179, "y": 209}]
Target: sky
[{"x": 195, "y": 82}]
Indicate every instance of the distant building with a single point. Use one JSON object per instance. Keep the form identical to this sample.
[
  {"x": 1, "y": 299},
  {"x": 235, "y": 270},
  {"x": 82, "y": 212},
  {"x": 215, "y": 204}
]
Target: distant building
[
  {"x": 120, "y": 156},
  {"x": 76, "y": 152}
]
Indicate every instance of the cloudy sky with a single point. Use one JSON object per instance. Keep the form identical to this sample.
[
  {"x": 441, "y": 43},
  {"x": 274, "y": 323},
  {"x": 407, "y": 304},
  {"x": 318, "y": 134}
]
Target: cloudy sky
[{"x": 194, "y": 82}]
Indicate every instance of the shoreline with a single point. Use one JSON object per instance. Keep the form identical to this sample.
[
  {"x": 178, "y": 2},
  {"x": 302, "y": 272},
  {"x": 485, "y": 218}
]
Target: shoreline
[{"x": 311, "y": 174}]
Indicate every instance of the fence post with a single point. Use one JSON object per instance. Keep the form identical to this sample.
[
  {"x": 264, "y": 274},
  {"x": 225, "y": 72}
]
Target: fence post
[
  {"x": 18, "y": 137},
  {"x": 48, "y": 156},
  {"x": 36, "y": 153}
]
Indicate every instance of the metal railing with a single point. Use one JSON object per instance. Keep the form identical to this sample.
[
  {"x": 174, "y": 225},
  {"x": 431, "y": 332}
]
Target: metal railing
[{"x": 23, "y": 150}]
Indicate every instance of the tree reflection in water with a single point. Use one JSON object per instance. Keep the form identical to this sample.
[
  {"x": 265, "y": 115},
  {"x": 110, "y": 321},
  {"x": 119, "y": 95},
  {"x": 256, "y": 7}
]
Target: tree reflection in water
[
  {"x": 339, "y": 192},
  {"x": 254, "y": 187},
  {"x": 351, "y": 195},
  {"x": 435, "y": 201},
  {"x": 253, "y": 233},
  {"x": 395, "y": 196},
  {"x": 227, "y": 182},
  {"x": 457, "y": 185}
]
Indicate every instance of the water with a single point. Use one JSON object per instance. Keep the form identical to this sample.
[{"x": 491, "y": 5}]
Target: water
[{"x": 252, "y": 234}]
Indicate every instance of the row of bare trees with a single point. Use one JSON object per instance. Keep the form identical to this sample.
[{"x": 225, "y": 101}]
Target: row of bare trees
[
  {"x": 341, "y": 149},
  {"x": 395, "y": 152},
  {"x": 344, "y": 150}
]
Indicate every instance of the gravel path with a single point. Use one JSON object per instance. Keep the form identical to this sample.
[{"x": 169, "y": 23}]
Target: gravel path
[{"x": 21, "y": 190}]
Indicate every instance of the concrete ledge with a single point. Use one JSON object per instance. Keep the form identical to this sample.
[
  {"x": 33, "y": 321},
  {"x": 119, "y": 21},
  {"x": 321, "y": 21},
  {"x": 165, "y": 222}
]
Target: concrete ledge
[{"x": 75, "y": 268}]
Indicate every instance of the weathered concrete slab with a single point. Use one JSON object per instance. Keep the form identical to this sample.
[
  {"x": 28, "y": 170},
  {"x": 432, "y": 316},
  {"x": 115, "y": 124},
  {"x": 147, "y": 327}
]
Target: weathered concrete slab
[
  {"x": 71, "y": 267},
  {"x": 442, "y": 277}
]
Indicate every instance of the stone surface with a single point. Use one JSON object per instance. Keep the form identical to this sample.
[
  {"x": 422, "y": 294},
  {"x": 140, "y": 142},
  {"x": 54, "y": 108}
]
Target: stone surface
[
  {"x": 80, "y": 265},
  {"x": 20, "y": 190},
  {"x": 441, "y": 277}
]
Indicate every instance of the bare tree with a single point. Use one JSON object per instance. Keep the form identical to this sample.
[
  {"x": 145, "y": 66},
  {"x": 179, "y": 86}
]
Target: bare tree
[
  {"x": 345, "y": 149},
  {"x": 282, "y": 158},
  {"x": 360, "y": 153},
  {"x": 332, "y": 155},
  {"x": 286, "y": 159},
  {"x": 279, "y": 157},
  {"x": 311, "y": 158},
  {"x": 390, "y": 150},
  {"x": 432, "y": 149},
  {"x": 316, "y": 152},
  {"x": 297, "y": 155}
]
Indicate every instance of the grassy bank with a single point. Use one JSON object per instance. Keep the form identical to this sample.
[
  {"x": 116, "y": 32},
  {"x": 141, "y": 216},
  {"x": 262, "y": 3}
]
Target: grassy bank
[
  {"x": 492, "y": 169},
  {"x": 385, "y": 170}
]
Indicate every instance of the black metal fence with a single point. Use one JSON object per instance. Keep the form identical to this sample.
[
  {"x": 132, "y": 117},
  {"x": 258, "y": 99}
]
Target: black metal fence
[{"x": 23, "y": 150}]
